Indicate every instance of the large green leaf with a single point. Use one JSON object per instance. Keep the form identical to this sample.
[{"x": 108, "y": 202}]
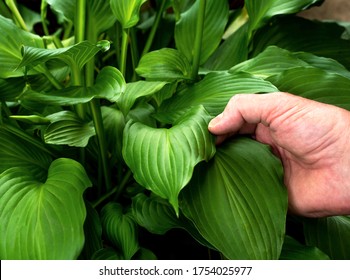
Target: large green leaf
[
  {"x": 18, "y": 149},
  {"x": 331, "y": 235},
  {"x": 274, "y": 60},
  {"x": 43, "y": 220},
  {"x": 216, "y": 17},
  {"x": 127, "y": 11},
  {"x": 315, "y": 84},
  {"x": 120, "y": 229},
  {"x": 109, "y": 84},
  {"x": 67, "y": 128},
  {"x": 136, "y": 90},
  {"x": 165, "y": 64},
  {"x": 238, "y": 201},
  {"x": 162, "y": 160},
  {"x": 260, "y": 11},
  {"x": 11, "y": 40},
  {"x": 213, "y": 92},
  {"x": 298, "y": 34},
  {"x": 77, "y": 54},
  {"x": 158, "y": 217},
  {"x": 293, "y": 250}
]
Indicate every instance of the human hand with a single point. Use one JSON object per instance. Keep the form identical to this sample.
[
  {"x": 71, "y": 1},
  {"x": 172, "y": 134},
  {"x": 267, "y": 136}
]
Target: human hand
[{"x": 310, "y": 138}]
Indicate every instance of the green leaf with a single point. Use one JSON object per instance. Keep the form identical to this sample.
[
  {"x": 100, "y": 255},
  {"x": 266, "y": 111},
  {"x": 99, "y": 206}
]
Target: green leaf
[
  {"x": 114, "y": 123},
  {"x": 271, "y": 61},
  {"x": 67, "y": 128},
  {"x": 331, "y": 235},
  {"x": 64, "y": 7},
  {"x": 315, "y": 84},
  {"x": 109, "y": 84},
  {"x": 18, "y": 149},
  {"x": 78, "y": 54},
  {"x": 120, "y": 229},
  {"x": 11, "y": 40},
  {"x": 274, "y": 60},
  {"x": 261, "y": 11},
  {"x": 165, "y": 64},
  {"x": 100, "y": 16},
  {"x": 158, "y": 217},
  {"x": 162, "y": 160},
  {"x": 107, "y": 254},
  {"x": 213, "y": 92},
  {"x": 297, "y": 34},
  {"x": 92, "y": 232},
  {"x": 127, "y": 11},
  {"x": 145, "y": 254},
  {"x": 136, "y": 90},
  {"x": 293, "y": 250},
  {"x": 231, "y": 52},
  {"x": 216, "y": 17},
  {"x": 43, "y": 220},
  {"x": 238, "y": 201}
]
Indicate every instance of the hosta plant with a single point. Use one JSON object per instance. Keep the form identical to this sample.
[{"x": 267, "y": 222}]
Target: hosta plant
[{"x": 104, "y": 146}]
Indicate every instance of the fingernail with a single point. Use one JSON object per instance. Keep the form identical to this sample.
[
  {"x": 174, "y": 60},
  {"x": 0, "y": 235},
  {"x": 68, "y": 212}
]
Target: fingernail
[{"x": 215, "y": 121}]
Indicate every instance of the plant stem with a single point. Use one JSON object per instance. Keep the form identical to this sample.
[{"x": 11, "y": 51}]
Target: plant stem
[
  {"x": 79, "y": 26},
  {"x": 91, "y": 35},
  {"x": 198, "y": 40},
  {"x": 117, "y": 189},
  {"x": 153, "y": 29},
  {"x": 18, "y": 18},
  {"x": 43, "y": 13},
  {"x": 124, "y": 51}
]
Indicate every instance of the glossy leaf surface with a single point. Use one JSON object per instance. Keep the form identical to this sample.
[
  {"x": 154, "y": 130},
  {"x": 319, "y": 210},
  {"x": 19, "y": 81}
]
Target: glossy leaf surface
[
  {"x": 238, "y": 201},
  {"x": 213, "y": 92},
  {"x": 162, "y": 160},
  {"x": 165, "y": 64},
  {"x": 67, "y": 128},
  {"x": 216, "y": 17},
  {"x": 120, "y": 228},
  {"x": 331, "y": 235},
  {"x": 127, "y": 11},
  {"x": 109, "y": 85},
  {"x": 43, "y": 220}
]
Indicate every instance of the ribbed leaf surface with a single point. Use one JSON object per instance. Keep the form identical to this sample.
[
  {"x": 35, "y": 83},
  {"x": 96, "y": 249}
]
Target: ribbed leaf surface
[
  {"x": 298, "y": 34},
  {"x": 127, "y": 11},
  {"x": 67, "y": 128},
  {"x": 136, "y": 90},
  {"x": 165, "y": 64},
  {"x": 331, "y": 235},
  {"x": 315, "y": 84},
  {"x": 162, "y": 160},
  {"x": 216, "y": 17},
  {"x": 20, "y": 150},
  {"x": 213, "y": 92},
  {"x": 120, "y": 228},
  {"x": 109, "y": 85},
  {"x": 260, "y": 11},
  {"x": 293, "y": 250},
  {"x": 77, "y": 54},
  {"x": 11, "y": 40},
  {"x": 43, "y": 220},
  {"x": 238, "y": 201}
]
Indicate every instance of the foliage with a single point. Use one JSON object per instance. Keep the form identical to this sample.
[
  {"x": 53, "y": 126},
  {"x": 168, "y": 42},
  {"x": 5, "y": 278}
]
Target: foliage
[{"x": 105, "y": 151}]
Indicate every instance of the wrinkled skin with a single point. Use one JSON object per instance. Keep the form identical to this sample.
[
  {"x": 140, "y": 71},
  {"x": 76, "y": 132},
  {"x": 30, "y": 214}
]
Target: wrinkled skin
[{"x": 310, "y": 138}]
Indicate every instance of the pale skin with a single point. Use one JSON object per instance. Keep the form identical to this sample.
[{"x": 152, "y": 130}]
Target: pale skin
[{"x": 312, "y": 140}]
